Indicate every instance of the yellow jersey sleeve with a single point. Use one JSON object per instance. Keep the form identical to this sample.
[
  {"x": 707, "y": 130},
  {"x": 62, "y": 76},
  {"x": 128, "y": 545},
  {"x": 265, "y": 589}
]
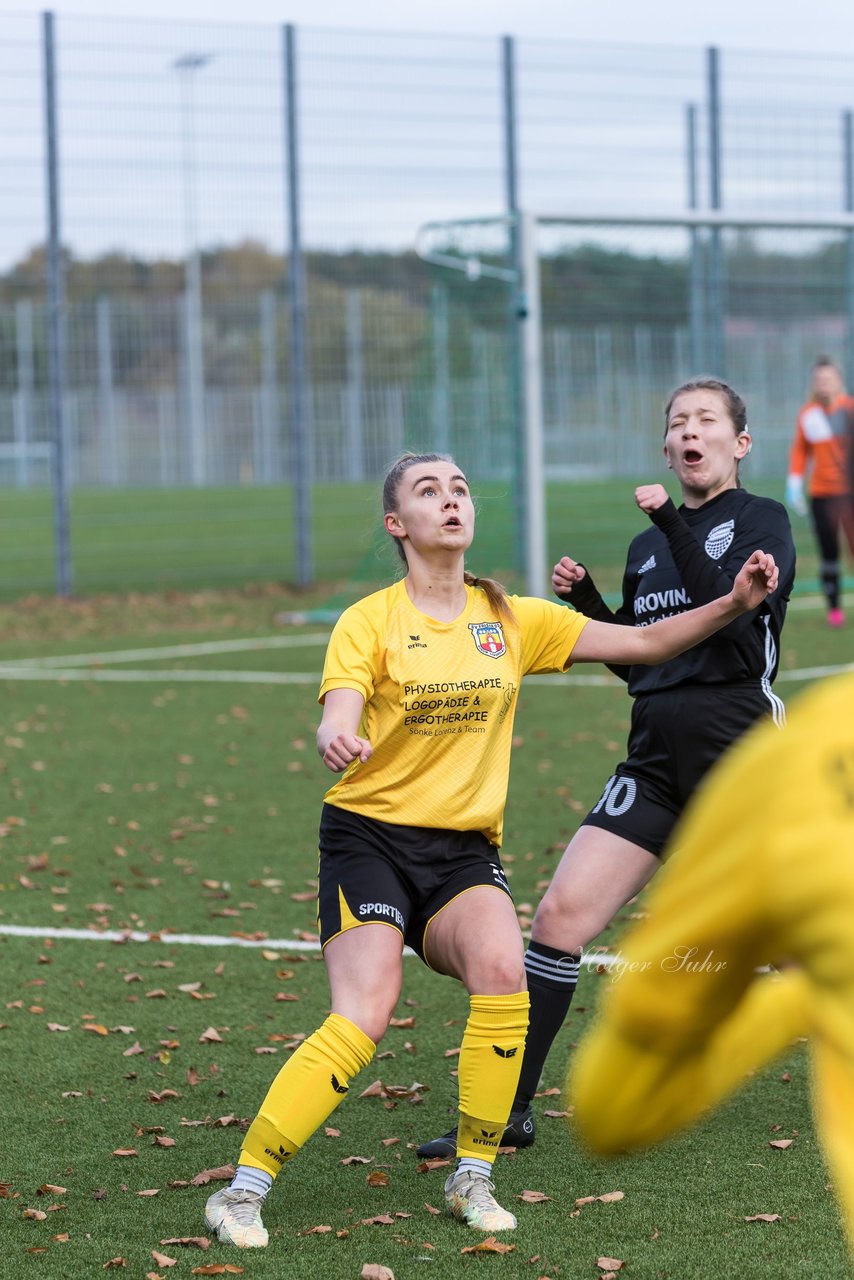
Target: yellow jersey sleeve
[{"x": 549, "y": 633}]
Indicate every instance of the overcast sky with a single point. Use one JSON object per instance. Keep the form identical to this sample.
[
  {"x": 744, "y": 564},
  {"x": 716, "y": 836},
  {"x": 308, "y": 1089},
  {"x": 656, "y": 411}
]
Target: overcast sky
[{"x": 825, "y": 26}]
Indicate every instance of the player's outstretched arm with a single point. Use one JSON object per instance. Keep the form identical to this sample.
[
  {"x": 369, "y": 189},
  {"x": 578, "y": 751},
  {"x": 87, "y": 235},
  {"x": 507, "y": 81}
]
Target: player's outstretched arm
[
  {"x": 338, "y": 740},
  {"x": 662, "y": 640}
]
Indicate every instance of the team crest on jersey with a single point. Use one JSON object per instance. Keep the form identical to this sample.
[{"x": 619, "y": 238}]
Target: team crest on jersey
[
  {"x": 719, "y": 539},
  {"x": 489, "y": 638}
]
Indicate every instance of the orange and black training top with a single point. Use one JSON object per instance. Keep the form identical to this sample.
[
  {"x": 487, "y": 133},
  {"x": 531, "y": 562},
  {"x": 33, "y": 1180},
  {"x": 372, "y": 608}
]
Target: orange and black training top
[{"x": 823, "y": 444}]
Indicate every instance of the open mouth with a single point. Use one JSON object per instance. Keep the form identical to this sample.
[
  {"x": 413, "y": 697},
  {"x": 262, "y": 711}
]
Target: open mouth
[
  {"x": 453, "y": 523},
  {"x": 692, "y": 457}
]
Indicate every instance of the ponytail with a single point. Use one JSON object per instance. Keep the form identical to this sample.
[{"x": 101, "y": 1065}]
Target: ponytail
[{"x": 494, "y": 592}]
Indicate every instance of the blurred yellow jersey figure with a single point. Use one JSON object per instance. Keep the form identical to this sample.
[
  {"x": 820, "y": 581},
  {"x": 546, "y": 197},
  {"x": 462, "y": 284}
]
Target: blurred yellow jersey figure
[{"x": 763, "y": 873}]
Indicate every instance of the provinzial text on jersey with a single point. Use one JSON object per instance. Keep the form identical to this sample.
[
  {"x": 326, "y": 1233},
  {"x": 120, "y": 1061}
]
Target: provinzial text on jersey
[{"x": 673, "y": 598}]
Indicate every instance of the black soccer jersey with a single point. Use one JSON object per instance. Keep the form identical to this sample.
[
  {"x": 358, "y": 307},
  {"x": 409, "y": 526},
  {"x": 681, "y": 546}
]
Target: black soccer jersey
[{"x": 689, "y": 557}]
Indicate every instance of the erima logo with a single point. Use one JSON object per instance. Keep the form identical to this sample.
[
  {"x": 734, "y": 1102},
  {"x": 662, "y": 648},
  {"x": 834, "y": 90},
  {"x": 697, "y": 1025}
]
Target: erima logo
[
  {"x": 280, "y": 1156},
  {"x": 487, "y": 1133},
  {"x": 339, "y": 1088},
  {"x": 505, "y": 1053},
  {"x": 417, "y": 643},
  {"x": 488, "y": 1139},
  {"x": 645, "y": 568}
]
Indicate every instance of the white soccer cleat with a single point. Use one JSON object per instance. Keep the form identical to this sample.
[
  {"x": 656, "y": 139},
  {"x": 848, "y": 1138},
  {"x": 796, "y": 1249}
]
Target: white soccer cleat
[
  {"x": 235, "y": 1216},
  {"x": 469, "y": 1197}
]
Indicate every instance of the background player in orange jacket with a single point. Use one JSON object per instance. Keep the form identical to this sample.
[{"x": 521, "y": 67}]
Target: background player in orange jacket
[{"x": 823, "y": 445}]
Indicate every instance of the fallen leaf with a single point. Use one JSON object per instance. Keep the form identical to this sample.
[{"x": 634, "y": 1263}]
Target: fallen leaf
[
  {"x": 315, "y": 1231},
  {"x": 780, "y": 1144},
  {"x": 211, "y": 1036},
  {"x": 381, "y": 1220},
  {"x": 557, "y": 1115},
  {"x": 607, "y": 1198},
  {"x": 124, "y": 1151},
  {"x": 114, "y": 1262},
  {"x": 223, "y": 1173},
  {"x": 427, "y": 1166},
  {"x": 376, "y": 1271},
  {"x": 217, "y": 1269},
  {"x": 163, "y": 1259},
  {"x": 490, "y": 1245},
  {"x": 100, "y": 1030},
  {"x": 154, "y": 1191},
  {"x": 430, "y": 1209},
  {"x": 374, "y": 1090},
  {"x": 610, "y": 1264},
  {"x": 377, "y": 1178},
  {"x": 49, "y": 1189},
  {"x": 135, "y": 1048},
  {"x": 407, "y": 1023},
  {"x": 200, "y": 1242},
  {"x": 533, "y": 1197},
  {"x": 357, "y": 1160},
  {"x": 332, "y": 1133},
  {"x": 37, "y": 1215},
  {"x": 763, "y": 1217}
]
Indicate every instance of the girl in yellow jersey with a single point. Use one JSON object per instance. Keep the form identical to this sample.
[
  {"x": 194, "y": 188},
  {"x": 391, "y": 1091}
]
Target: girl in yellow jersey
[
  {"x": 750, "y": 882},
  {"x": 419, "y": 692}
]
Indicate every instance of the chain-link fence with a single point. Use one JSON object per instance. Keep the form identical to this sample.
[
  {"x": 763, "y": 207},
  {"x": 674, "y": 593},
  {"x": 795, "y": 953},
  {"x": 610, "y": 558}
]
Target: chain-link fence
[{"x": 207, "y": 267}]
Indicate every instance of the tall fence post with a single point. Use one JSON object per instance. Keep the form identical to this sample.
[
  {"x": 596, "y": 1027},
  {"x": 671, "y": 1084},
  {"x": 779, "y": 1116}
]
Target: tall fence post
[
  {"x": 106, "y": 398},
  {"x": 355, "y": 395},
  {"x": 58, "y": 379},
  {"x": 187, "y": 66},
  {"x": 697, "y": 345},
  {"x": 516, "y": 361},
  {"x": 297, "y": 305},
  {"x": 848, "y": 199},
  {"x": 440, "y": 407},
  {"x": 269, "y": 460},
  {"x": 23, "y": 403},
  {"x": 717, "y": 306},
  {"x": 531, "y": 333}
]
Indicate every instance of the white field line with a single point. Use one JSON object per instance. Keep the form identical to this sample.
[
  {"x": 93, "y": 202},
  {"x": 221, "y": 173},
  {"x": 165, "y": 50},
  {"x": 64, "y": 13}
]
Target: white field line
[
  {"x": 67, "y": 675},
  {"x": 155, "y": 653},
  {"x": 591, "y": 960}
]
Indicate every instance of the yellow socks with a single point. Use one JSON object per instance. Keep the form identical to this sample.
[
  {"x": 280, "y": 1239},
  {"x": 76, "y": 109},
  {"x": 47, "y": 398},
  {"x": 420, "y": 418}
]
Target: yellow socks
[
  {"x": 307, "y": 1090},
  {"x": 489, "y": 1065}
]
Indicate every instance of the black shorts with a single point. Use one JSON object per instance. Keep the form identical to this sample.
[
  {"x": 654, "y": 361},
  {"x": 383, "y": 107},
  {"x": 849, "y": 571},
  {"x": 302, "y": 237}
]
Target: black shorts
[
  {"x": 675, "y": 738},
  {"x": 378, "y": 872}
]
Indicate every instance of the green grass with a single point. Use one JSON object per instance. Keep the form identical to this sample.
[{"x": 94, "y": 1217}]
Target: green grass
[
  {"x": 173, "y": 806},
  {"x": 162, "y": 539}
]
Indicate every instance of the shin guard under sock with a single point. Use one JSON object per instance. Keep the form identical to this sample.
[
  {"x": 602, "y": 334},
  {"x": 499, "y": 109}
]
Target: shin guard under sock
[{"x": 307, "y": 1089}]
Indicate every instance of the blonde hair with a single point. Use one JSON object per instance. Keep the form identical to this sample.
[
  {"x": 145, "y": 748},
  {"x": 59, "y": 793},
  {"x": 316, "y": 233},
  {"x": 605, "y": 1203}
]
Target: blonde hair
[{"x": 494, "y": 591}]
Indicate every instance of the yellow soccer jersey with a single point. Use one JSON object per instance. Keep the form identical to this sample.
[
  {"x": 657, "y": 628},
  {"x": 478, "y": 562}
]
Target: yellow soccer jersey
[
  {"x": 764, "y": 872},
  {"x": 440, "y": 699}
]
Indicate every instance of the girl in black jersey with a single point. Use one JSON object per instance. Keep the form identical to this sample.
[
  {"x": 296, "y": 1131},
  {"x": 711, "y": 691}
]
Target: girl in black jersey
[{"x": 686, "y": 711}]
